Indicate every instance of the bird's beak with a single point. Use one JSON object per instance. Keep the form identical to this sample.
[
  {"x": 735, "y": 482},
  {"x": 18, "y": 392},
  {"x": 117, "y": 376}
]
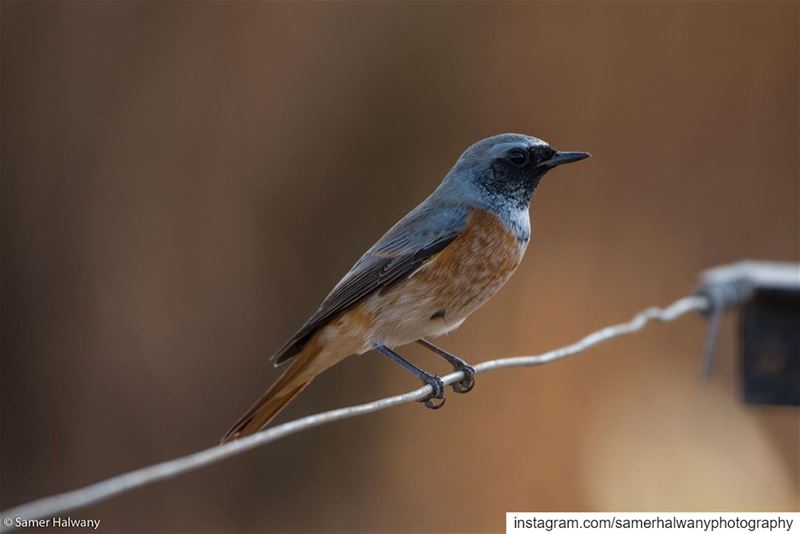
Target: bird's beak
[{"x": 560, "y": 158}]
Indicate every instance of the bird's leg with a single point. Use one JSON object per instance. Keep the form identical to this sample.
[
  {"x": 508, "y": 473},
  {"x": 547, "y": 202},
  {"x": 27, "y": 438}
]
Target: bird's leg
[
  {"x": 458, "y": 365},
  {"x": 432, "y": 380}
]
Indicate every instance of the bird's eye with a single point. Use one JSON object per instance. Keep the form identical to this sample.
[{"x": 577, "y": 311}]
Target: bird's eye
[{"x": 518, "y": 157}]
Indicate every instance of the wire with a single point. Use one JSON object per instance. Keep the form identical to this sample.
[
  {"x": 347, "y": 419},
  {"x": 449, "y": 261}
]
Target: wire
[{"x": 50, "y": 506}]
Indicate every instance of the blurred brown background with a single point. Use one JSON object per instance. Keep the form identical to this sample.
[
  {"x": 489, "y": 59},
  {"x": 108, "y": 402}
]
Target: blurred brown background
[{"x": 183, "y": 182}]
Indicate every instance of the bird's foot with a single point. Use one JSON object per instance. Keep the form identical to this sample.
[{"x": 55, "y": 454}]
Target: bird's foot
[
  {"x": 468, "y": 382},
  {"x": 435, "y": 399},
  {"x": 465, "y": 384}
]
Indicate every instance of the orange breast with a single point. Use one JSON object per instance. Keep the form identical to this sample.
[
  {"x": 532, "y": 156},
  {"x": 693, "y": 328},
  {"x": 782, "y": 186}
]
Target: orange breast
[
  {"x": 474, "y": 266},
  {"x": 440, "y": 295}
]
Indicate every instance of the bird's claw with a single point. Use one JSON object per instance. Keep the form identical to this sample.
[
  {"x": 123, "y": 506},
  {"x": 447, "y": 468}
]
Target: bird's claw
[
  {"x": 430, "y": 403},
  {"x": 437, "y": 393},
  {"x": 468, "y": 382}
]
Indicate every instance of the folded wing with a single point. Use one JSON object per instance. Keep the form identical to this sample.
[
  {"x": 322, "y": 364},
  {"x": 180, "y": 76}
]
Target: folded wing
[{"x": 410, "y": 243}]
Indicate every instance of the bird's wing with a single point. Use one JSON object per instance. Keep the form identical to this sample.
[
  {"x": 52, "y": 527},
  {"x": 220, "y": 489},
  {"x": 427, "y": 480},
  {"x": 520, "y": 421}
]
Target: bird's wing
[{"x": 417, "y": 237}]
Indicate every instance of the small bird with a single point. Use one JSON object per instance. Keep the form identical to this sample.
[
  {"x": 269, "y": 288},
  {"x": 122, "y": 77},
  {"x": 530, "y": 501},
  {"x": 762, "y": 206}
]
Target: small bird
[{"x": 425, "y": 276}]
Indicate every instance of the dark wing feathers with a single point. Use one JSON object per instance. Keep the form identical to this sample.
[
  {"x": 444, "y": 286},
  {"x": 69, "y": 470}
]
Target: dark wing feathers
[{"x": 417, "y": 237}]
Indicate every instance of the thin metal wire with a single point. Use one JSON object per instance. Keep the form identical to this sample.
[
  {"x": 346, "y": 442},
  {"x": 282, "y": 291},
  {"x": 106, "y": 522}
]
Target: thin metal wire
[{"x": 50, "y": 506}]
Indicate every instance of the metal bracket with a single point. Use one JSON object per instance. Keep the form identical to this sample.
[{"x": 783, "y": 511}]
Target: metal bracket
[{"x": 769, "y": 295}]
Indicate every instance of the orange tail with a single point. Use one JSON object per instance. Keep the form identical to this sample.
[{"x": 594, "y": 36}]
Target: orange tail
[{"x": 294, "y": 379}]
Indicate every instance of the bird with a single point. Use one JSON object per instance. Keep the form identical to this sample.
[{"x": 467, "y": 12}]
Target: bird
[{"x": 425, "y": 276}]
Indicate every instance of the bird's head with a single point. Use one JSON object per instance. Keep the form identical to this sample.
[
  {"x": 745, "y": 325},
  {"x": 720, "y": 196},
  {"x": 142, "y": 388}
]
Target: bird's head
[{"x": 508, "y": 167}]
